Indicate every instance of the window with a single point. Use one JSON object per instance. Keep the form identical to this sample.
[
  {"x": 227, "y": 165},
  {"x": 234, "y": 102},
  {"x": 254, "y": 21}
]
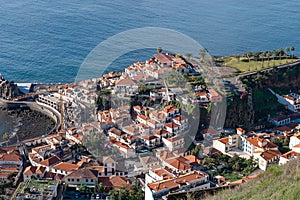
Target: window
[
  {"x": 77, "y": 180},
  {"x": 72, "y": 179},
  {"x": 92, "y": 180},
  {"x": 68, "y": 179},
  {"x": 86, "y": 180}
]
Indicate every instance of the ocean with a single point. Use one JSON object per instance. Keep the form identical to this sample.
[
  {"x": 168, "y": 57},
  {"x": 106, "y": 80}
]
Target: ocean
[{"x": 46, "y": 41}]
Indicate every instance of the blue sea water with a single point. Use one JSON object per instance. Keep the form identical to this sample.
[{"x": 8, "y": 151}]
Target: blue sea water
[{"x": 46, "y": 41}]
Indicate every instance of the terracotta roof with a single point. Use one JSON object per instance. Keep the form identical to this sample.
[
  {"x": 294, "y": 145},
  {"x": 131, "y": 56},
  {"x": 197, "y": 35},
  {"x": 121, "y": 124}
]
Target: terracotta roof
[
  {"x": 149, "y": 159},
  {"x": 284, "y": 129},
  {"x": 30, "y": 170},
  {"x": 176, "y": 182},
  {"x": 159, "y": 114},
  {"x": 108, "y": 159},
  {"x": 115, "y": 182},
  {"x": 115, "y": 131},
  {"x": 161, "y": 132},
  {"x": 126, "y": 81},
  {"x": 290, "y": 154},
  {"x": 174, "y": 139},
  {"x": 214, "y": 93},
  {"x": 50, "y": 161},
  {"x": 170, "y": 108},
  {"x": 179, "y": 163},
  {"x": 270, "y": 154},
  {"x": 192, "y": 159},
  {"x": 166, "y": 154},
  {"x": 163, "y": 58},
  {"x": 224, "y": 140},
  {"x": 83, "y": 173},
  {"x": 11, "y": 157},
  {"x": 40, "y": 170},
  {"x": 149, "y": 137},
  {"x": 171, "y": 125},
  {"x": 66, "y": 166},
  {"x": 163, "y": 173}
]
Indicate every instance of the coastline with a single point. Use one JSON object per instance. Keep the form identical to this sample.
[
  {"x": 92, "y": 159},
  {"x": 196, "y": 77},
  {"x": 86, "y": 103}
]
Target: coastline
[{"x": 25, "y": 123}]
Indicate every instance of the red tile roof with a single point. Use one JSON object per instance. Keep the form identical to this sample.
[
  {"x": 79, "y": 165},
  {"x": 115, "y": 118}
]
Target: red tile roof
[
  {"x": 50, "y": 161},
  {"x": 66, "y": 166}
]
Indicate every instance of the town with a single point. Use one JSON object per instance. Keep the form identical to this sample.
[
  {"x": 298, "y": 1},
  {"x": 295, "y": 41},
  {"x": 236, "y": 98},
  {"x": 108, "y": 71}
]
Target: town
[{"x": 134, "y": 135}]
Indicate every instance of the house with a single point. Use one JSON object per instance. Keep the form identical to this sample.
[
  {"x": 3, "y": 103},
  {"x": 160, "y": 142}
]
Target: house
[
  {"x": 214, "y": 96},
  {"x": 84, "y": 176},
  {"x": 179, "y": 165},
  {"x": 226, "y": 144},
  {"x": 113, "y": 182},
  {"x": 110, "y": 165},
  {"x": 294, "y": 140},
  {"x": 283, "y": 130},
  {"x": 164, "y": 60},
  {"x": 171, "y": 111},
  {"x": 126, "y": 87},
  {"x": 115, "y": 133},
  {"x": 149, "y": 162},
  {"x": 284, "y": 158},
  {"x": 150, "y": 141},
  {"x": 64, "y": 168},
  {"x": 174, "y": 143},
  {"x": 266, "y": 158},
  {"x": 48, "y": 163},
  {"x": 254, "y": 144},
  {"x": 210, "y": 133},
  {"x": 158, "y": 116},
  {"x": 280, "y": 120},
  {"x": 172, "y": 127},
  {"x": 293, "y": 101},
  {"x": 37, "y": 172},
  {"x": 188, "y": 182}
]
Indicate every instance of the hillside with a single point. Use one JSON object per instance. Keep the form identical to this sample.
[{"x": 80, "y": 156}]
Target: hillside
[{"x": 276, "y": 183}]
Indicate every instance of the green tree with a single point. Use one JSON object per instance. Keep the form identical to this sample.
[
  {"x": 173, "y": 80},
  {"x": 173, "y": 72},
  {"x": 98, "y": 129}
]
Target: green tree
[
  {"x": 100, "y": 188},
  {"x": 274, "y": 53},
  {"x": 6, "y": 138},
  {"x": 159, "y": 50},
  {"x": 287, "y": 49},
  {"x": 292, "y": 48},
  {"x": 203, "y": 53},
  {"x": 248, "y": 55},
  {"x": 280, "y": 53},
  {"x": 268, "y": 54}
]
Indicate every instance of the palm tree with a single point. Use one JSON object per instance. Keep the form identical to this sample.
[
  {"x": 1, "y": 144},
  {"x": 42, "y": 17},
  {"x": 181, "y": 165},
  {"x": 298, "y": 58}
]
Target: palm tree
[
  {"x": 274, "y": 53},
  {"x": 203, "y": 52},
  {"x": 280, "y": 52},
  {"x": 248, "y": 55},
  {"x": 6, "y": 138},
  {"x": 100, "y": 188},
  {"x": 269, "y": 54},
  {"x": 262, "y": 56},
  {"x": 287, "y": 49},
  {"x": 292, "y": 48},
  {"x": 256, "y": 56},
  {"x": 159, "y": 50}
]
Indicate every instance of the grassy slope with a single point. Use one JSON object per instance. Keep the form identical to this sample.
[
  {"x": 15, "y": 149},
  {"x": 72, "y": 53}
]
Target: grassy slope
[
  {"x": 243, "y": 65},
  {"x": 277, "y": 183}
]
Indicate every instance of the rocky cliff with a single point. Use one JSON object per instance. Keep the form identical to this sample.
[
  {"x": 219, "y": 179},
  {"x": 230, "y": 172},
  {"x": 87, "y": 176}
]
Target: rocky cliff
[
  {"x": 252, "y": 108},
  {"x": 8, "y": 90}
]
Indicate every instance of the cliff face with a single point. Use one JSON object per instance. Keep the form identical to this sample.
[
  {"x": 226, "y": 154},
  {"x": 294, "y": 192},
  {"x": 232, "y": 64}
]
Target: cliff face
[
  {"x": 253, "y": 108},
  {"x": 240, "y": 112},
  {"x": 8, "y": 90}
]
